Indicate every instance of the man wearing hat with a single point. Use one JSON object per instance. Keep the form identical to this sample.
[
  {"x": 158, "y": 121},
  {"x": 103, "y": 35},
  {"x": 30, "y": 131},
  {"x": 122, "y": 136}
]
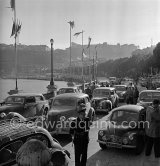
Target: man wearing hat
[{"x": 79, "y": 130}]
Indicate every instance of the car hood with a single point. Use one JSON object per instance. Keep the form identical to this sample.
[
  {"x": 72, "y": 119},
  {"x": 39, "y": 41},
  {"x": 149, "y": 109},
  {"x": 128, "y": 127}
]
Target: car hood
[
  {"x": 60, "y": 110},
  {"x": 10, "y": 108},
  {"x": 117, "y": 130}
]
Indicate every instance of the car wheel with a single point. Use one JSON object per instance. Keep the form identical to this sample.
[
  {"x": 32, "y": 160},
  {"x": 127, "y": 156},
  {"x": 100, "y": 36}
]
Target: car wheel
[
  {"x": 140, "y": 145},
  {"x": 102, "y": 146}
]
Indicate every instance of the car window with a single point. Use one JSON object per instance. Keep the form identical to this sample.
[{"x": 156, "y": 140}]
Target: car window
[
  {"x": 30, "y": 100},
  {"x": 15, "y": 99},
  {"x": 39, "y": 98},
  {"x": 120, "y": 88},
  {"x": 149, "y": 96},
  {"x": 100, "y": 93},
  {"x": 124, "y": 116},
  {"x": 8, "y": 153},
  {"x": 64, "y": 102}
]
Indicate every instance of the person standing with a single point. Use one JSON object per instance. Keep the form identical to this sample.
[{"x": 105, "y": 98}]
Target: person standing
[
  {"x": 129, "y": 95},
  {"x": 79, "y": 130},
  {"x": 135, "y": 95},
  {"x": 153, "y": 129},
  {"x": 88, "y": 91}
]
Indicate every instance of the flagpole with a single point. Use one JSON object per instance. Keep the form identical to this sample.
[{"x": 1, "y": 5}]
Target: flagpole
[
  {"x": 70, "y": 51},
  {"x": 15, "y": 45},
  {"x": 82, "y": 59}
]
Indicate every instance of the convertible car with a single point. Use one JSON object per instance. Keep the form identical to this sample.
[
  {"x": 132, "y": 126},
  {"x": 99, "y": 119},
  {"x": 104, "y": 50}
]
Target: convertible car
[
  {"x": 14, "y": 134},
  {"x": 124, "y": 129}
]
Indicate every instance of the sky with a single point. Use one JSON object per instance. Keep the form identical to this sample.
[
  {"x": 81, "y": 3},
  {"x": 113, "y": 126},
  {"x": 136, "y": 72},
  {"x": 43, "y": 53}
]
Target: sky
[{"x": 112, "y": 21}]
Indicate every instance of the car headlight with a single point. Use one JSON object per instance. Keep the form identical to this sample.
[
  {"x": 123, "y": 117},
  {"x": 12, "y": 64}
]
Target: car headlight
[
  {"x": 131, "y": 136},
  {"x": 101, "y": 133},
  {"x": 125, "y": 141},
  {"x": 62, "y": 118},
  {"x": 104, "y": 138}
]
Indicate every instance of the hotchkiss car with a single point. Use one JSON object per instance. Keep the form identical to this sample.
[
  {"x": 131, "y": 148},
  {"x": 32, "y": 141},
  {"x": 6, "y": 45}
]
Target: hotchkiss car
[
  {"x": 124, "y": 129},
  {"x": 146, "y": 97},
  {"x": 14, "y": 135},
  {"x": 26, "y": 104},
  {"x": 64, "y": 109},
  {"x": 104, "y": 99},
  {"x": 68, "y": 90},
  {"x": 121, "y": 91}
]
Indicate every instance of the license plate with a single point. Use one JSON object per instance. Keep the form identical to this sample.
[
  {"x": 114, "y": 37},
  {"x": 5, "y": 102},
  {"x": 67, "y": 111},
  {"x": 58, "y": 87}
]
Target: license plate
[{"x": 113, "y": 145}]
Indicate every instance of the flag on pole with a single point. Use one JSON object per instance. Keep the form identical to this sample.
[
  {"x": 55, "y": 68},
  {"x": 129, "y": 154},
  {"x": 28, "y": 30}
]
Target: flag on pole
[
  {"x": 16, "y": 28},
  {"x": 71, "y": 24},
  {"x": 12, "y": 3},
  {"x": 84, "y": 55},
  {"x": 89, "y": 42},
  {"x": 78, "y": 33}
]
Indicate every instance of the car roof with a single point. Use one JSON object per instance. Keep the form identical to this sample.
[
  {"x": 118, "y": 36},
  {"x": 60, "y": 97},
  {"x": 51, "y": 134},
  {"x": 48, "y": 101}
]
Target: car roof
[
  {"x": 71, "y": 95},
  {"x": 8, "y": 132},
  {"x": 150, "y": 91},
  {"x": 133, "y": 108},
  {"x": 26, "y": 94},
  {"x": 106, "y": 88}
]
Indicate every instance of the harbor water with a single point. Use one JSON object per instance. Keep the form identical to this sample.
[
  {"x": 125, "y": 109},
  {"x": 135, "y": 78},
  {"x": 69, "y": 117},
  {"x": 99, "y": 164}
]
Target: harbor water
[{"x": 27, "y": 86}]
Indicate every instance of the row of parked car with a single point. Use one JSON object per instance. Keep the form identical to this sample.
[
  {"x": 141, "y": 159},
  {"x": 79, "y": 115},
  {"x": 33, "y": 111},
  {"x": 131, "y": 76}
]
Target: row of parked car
[{"x": 62, "y": 109}]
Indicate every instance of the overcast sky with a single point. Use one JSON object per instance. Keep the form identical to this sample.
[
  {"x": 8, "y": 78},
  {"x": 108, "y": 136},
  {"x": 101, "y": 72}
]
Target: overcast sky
[{"x": 112, "y": 21}]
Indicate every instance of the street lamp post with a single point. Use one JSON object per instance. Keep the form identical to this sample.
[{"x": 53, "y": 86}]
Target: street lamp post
[
  {"x": 51, "y": 82},
  {"x": 52, "y": 88}
]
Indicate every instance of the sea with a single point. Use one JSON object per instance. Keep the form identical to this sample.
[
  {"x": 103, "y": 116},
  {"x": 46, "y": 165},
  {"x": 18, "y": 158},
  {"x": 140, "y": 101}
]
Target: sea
[{"x": 27, "y": 86}]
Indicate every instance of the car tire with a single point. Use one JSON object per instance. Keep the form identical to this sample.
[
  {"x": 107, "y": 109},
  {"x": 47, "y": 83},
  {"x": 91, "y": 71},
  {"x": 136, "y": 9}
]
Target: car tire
[{"x": 102, "y": 146}]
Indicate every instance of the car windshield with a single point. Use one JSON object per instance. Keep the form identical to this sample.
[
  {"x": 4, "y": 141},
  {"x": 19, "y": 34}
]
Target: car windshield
[
  {"x": 66, "y": 90},
  {"x": 14, "y": 99},
  {"x": 120, "y": 88},
  {"x": 100, "y": 93},
  {"x": 149, "y": 96},
  {"x": 124, "y": 117},
  {"x": 64, "y": 102}
]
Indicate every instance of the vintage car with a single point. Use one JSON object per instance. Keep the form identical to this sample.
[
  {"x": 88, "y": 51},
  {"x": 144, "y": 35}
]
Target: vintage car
[
  {"x": 26, "y": 104},
  {"x": 146, "y": 97},
  {"x": 121, "y": 91},
  {"x": 64, "y": 109},
  {"x": 68, "y": 90},
  {"x": 104, "y": 99},
  {"x": 14, "y": 135},
  {"x": 124, "y": 128}
]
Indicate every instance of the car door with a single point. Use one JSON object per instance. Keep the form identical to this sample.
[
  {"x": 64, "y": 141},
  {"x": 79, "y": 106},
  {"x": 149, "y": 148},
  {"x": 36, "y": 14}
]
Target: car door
[{"x": 30, "y": 107}]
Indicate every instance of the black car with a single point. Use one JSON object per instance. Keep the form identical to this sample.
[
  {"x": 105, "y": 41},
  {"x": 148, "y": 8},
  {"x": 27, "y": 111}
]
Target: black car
[
  {"x": 26, "y": 104},
  {"x": 13, "y": 135},
  {"x": 124, "y": 128},
  {"x": 64, "y": 109},
  {"x": 104, "y": 99}
]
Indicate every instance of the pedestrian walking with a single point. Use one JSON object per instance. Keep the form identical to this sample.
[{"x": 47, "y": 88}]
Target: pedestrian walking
[
  {"x": 79, "y": 130},
  {"x": 153, "y": 129}
]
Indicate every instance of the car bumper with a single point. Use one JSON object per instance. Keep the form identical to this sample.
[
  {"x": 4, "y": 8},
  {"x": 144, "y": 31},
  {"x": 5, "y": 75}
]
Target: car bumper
[{"x": 112, "y": 144}]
